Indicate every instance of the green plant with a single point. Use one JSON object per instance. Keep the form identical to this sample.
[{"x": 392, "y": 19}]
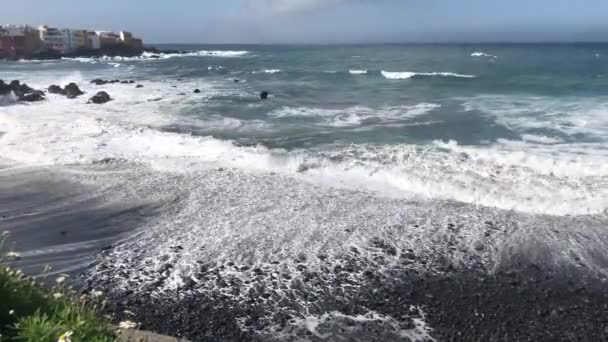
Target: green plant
[{"x": 33, "y": 313}]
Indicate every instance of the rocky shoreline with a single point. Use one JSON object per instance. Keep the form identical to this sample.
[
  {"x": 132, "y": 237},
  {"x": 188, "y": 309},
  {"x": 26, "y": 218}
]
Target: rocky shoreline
[
  {"x": 466, "y": 305},
  {"x": 521, "y": 301},
  {"x": 116, "y": 51},
  {"x": 24, "y": 93}
]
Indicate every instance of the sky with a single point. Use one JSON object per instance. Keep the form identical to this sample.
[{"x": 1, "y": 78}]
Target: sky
[{"x": 324, "y": 21}]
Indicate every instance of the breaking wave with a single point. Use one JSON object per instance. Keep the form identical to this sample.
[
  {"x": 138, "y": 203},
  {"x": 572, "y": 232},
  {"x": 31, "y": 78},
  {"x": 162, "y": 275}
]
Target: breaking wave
[
  {"x": 147, "y": 56},
  {"x": 356, "y": 116},
  {"x": 499, "y": 175},
  {"x": 412, "y": 75},
  {"x": 482, "y": 54}
]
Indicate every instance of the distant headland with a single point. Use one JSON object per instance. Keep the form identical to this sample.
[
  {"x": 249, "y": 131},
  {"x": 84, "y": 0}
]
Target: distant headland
[{"x": 45, "y": 42}]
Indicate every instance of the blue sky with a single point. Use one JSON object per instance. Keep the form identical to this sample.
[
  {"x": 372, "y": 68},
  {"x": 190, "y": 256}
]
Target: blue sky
[{"x": 325, "y": 21}]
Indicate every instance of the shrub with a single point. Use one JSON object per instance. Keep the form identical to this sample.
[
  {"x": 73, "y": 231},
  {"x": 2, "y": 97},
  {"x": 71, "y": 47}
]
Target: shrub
[{"x": 31, "y": 312}]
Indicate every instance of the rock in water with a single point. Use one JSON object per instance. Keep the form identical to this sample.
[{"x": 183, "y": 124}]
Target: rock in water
[
  {"x": 24, "y": 88},
  {"x": 15, "y": 84},
  {"x": 264, "y": 95},
  {"x": 100, "y": 98},
  {"x": 72, "y": 91},
  {"x": 35, "y": 96},
  {"x": 98, "y": 81},
  {"x": 55, "y": 89},
  {"x": 196, "y": 91},
  {"x": 4, "y": 88},
  {"x": 139, "y": 86}
]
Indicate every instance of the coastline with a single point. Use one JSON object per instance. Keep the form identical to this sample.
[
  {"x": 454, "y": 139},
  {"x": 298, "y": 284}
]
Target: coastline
[{"x": 116, "y": 51}]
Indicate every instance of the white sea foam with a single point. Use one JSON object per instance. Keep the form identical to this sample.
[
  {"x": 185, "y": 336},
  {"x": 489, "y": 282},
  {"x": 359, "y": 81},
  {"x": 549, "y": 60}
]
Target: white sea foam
[
  {"x": 357, "y": 72},
  {"x": 566, "y": 115},
  {"x": 271, "y": 71},
  {"x": 148, "y": 56},
  {"x": 541, "y": 139},
  {"x": 408, "y": 75},
  {"x": 482, "y": 54},
  {"x": 397, "y": 75},
  {"x": 355, "y": 116},
  {"x": 57, "y": 133},
  {"x": 331, "y": 326},
  {"x": 7, "y": 100},
  {"x": 543, "y": 176}
]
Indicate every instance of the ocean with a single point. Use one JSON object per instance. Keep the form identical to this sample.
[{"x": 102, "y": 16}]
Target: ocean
[{"x": 317, "y": 213}]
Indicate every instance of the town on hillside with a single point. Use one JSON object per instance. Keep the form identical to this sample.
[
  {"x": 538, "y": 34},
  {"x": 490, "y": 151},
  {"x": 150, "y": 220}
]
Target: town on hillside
[{"x": 24, "y": 41}]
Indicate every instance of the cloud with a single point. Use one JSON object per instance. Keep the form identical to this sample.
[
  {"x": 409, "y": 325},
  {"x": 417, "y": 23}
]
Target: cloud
[{"x": 292, "y": 6}]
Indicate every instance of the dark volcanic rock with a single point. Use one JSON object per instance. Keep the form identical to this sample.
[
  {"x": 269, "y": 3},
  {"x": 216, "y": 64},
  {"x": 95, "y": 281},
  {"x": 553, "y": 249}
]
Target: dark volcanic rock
[
  {"x": 72, "y": 91},
  {"x": 24, "y": 88},
  {"x": 264, "y": 95},
  {"x": 22, "y": 91},
  {"x": 4, "y": 88},
  {"x": 100, "y": 98},
  {"x": 197, "y": 91},
  {"x": 35, "y": 96},
  {"x": 15, "y": 84},
  {"x": 98, "y": 81},
  {"x": 55, "y": 89}
]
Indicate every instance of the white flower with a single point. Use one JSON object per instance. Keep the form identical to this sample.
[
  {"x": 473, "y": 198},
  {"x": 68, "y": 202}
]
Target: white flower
[
  {"x": 97, "y": 294},
  {"x": 57, "y": 295},
  {"x": 60, "y": 280},
  {"x": 66, "y": 337},
  {"x": 127, "y": 325},
  {"x": 12, "y": 312}
]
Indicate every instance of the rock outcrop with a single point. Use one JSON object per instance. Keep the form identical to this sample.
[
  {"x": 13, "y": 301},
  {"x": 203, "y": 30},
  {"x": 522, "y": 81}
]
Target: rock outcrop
[
  {"x": 55, "y": 89},
  {"x": 100, "y": 98},
  {"x": 99, "y": 81},
  {"x": 72, "y": 91},
  {"x": 35, "y": 96},
  {"x": 22, "y": 91}
]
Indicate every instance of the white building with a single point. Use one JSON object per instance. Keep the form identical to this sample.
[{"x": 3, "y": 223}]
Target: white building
[
  {"x": 125, "y": 36},
  {"x": 70, "y": 42},
  {"x": 14, "y": 30},
  {"x": 52, "y": 38},
  {"x": 108, "y": 38},
  {"x": 94, "y": 41}
]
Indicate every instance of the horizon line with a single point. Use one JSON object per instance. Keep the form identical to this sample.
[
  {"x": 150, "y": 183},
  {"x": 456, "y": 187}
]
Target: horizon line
[{"x": 389, "y": 43}]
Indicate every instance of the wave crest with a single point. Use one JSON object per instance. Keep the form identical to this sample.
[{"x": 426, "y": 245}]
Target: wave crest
[
  {"x": 482, "y": 54},
  {"x": 411, "y": 75}
]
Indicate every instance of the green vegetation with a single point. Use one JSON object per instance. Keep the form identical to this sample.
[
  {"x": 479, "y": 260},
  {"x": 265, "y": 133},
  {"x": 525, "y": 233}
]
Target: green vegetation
[{"x": 33, "y": 313}]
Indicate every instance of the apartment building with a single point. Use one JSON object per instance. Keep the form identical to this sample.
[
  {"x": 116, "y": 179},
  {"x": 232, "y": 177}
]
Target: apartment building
[
  {"x": 19, "y": 41},
  {"x": 52, "y": 38}
]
